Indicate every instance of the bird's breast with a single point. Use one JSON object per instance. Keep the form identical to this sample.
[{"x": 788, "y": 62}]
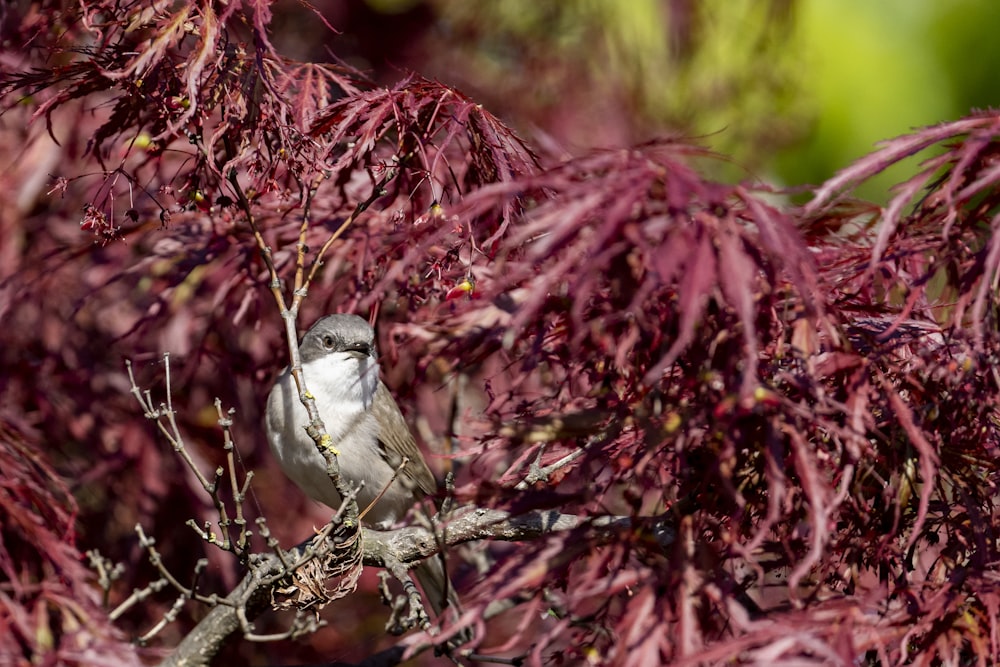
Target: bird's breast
[{"x": 353, "y": 430}]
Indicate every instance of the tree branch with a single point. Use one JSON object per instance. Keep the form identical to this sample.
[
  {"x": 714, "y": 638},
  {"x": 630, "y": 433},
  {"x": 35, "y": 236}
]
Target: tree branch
[{"x": 406, "y": 545}]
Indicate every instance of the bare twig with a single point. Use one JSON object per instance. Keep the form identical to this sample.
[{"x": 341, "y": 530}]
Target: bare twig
[
  {"x": 169, "y": 617},
  {"x": 107, "y": 571},
  {"x": 164, "y": 417},
  {"x": 302, "y": 624},
  {"x": 165, "y": 412},
  {"x": 239, "y": 492},
  {"x": 378, "y": 191},
  {"x": 190, "y": 593},
  {"x": 385, "y": 487},
  {"x": 538, "y": 473},
  {"x": 301, "y": 248},
  {"x": 265, "y": 250},
  {"x": 137, "y": 596}
]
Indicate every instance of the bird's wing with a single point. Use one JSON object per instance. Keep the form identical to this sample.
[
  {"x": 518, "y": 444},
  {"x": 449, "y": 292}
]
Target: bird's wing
[{"x": 396, "y": 442}]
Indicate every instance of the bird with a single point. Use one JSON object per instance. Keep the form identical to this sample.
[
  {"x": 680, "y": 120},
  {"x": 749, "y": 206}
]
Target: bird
[{"x": 367, "y": 429}]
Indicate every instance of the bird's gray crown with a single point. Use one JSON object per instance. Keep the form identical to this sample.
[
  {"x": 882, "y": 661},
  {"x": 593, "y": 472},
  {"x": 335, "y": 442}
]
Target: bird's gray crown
[{"x": 337, "y": 333}]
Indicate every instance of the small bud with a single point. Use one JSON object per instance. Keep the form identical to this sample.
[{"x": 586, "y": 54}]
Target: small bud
[
  {"x": 467, "y": 286},
  {"x": 672, "y": 423},
  {"x": 178, "y": 102},
  {"x": 198, "y": 198}
]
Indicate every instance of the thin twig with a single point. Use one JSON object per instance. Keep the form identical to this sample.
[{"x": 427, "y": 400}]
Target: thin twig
[
  {"x": 107, "y": 571},
  {"x": 165, "y": 419},
  {"x": 149, "y": 544},
  {"x": 538, "y": 473},
  {"x": 385, "y": 487},
  {"x": 378, "y": 191},
  {"x": 265, "y": 250},
  {"x": 137, "y": 596},
  {"x": 301, "y": 247},
  {"x": 239, "y": 492}
]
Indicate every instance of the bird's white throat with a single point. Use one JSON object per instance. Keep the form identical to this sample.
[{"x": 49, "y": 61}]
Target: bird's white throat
[
  {"x": 342, "y": 384},
  {"x": 343, "y": 378}
]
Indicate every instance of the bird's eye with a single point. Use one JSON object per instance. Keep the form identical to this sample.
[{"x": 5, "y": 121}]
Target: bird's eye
[{"x": 328, "y": 341}]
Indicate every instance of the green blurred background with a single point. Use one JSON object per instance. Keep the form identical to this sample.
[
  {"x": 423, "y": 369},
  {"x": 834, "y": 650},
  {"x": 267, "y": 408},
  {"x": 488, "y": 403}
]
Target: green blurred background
[{"x": 791, "y": 90}]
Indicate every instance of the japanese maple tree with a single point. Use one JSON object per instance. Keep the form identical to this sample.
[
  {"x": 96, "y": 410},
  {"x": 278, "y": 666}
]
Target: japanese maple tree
[{"x": 684, "y": 423}]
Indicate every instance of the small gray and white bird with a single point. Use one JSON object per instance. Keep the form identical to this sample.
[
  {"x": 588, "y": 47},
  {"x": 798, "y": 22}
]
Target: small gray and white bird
[{"x": 340, "y": 369}]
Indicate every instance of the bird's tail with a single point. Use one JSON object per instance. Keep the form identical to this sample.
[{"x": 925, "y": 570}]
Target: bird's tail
[{"x": 437, "y": 587}]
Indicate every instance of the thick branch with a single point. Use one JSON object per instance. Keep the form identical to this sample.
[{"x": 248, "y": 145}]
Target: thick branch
[
  {"x": 406, "y": 545},
  {"x": 415, "y": 543}
]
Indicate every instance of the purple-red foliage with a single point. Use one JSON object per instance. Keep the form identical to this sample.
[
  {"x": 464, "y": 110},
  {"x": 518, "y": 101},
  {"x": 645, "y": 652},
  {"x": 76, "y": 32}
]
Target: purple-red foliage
[
  {"x": 47, "y": 605},
  {"x": 797, "y": 407}
]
